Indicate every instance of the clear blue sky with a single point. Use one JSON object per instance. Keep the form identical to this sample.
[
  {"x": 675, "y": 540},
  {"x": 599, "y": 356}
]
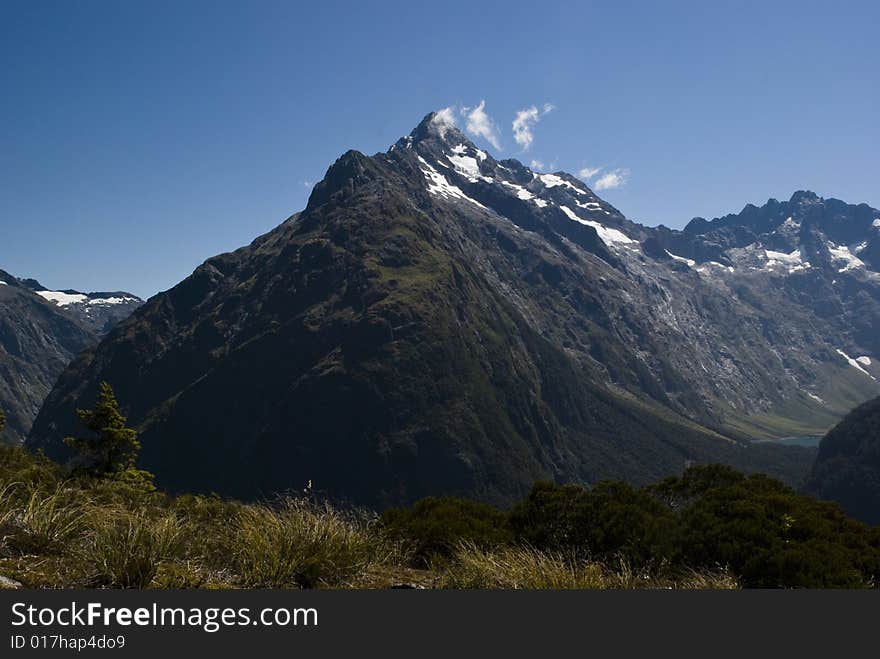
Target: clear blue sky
[{"x": 139, "y": 138}]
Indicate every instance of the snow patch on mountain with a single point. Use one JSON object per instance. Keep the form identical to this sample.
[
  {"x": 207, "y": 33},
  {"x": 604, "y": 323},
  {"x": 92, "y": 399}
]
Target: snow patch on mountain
[
  {"x": 842, "y": 255},
  {"x": 521, "y": 192},
  {"x": 439, "y": 186},
  {"x": 466, "y": 165},
  {"x": 709, "y": 265},
  {"x": 857, "y": 363},
  {"x": 793, "y": 261},
  {"x": 690, "y": 262},
  {"x": 552, "y": 181},
  {"x": 609, "y": 236},
  {"x": 63, "y": 299},
  {"x": 524, "y": 194},
  {"x": 110, "y": 300}
]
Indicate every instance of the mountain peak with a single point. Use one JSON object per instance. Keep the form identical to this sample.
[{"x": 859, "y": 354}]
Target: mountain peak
[
  {"x": 805, "y": 197},
  {"x": 437, "y": 126}
]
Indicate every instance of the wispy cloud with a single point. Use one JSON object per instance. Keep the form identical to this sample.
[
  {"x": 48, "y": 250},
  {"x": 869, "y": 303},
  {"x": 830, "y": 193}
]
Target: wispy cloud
[
  {"x": 443, "y": 119},
  {"x": 589, "y": 172},
  {"x": 524, "y": 123},
  {"x": 537, "y": 165},
  {"x": 613, "y": 179},
  {"x": 481, "y": 124}
]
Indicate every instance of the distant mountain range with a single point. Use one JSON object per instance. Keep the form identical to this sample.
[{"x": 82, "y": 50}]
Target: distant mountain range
[
  {"x": 438, "y": 321},
  {"x": 97, "y": 311},
  {"x": 40, "y": 332}
]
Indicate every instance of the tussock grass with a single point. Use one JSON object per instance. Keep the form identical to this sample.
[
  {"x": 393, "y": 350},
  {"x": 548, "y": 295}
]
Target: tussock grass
[
  {"x": 517, "y": 568},
  {"x": 126, "y": 548},
  {"x": 105, "y": 533},
  {"x": 301, "y": 544},
  {"x": 39, "y": 521},
  {"x": 526, "y": 568}
]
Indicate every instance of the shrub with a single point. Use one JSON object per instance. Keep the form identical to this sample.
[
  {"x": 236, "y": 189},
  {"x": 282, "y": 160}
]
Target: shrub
[
  {"x": 436, "y": 526},
  {"x": 33, "y": 470},
  {"x": 611, "y": 520}
]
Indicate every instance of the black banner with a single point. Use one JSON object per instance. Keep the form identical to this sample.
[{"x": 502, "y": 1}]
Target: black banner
[{"x": 412, "y": 623}]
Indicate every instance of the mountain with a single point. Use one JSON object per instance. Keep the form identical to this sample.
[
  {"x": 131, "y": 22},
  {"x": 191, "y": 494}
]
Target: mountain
[
  {"x": 36, "y": 342},
  {"x": 804, "y": 276},
  {"x": 438, "y": 321},
  {"x": 40, "y": 333},
  {"x": 97, "y": 311},
  {"x": 847, "y": 469}
]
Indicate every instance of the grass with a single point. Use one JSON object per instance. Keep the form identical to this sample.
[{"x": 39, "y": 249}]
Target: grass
[
  {"x": 295, "y": 543},
  {"x": 54, "y": 540},
  {"x": 39, "y": 521},
  {"x": 59, "y": 532},
  {"x": 842, "y": 389},
  {"x": 526, "y": 568},
  {"x": 125, "y": 549}
]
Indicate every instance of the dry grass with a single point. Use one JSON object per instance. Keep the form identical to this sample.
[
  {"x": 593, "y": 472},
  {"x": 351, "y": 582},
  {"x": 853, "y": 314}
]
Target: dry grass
[
  {"x": 39, "y": 521},
  {"x": 299, "y": 544},
  {"x": 126, "y": 548},
  {"x": 526, "y": 568},
  {"x": 57, "y": 533}
]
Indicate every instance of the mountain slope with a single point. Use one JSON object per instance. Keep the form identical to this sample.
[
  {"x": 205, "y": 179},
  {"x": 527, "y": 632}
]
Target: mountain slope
[
  {"x": 847, "y": 469},
  {"x": 37, "y": 341},
  {"x": 414, "y": 332},
  {"x": 807, "y": 273}
]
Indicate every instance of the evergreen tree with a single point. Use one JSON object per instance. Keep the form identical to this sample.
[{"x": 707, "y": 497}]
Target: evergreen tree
[
  {"x": 112, "y": 448},
  {"x": 2, "y": 422}
]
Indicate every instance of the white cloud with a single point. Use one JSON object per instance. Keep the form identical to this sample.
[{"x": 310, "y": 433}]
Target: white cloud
[
  {"x": 613, "y": 179},
  {"x": 589, "y": 172},
  {"x": 480, "y": 123},
  {"x": 525, "y": 121},
  {"x": 537, "y": 165},
  {"x": 443, "y": 120}
]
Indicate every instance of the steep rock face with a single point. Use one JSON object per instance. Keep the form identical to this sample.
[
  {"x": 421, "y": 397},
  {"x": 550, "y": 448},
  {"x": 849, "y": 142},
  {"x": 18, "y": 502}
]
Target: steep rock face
[
  {"x": 807, "y": 277},
  {"x": 847, "y": 469},
  {"x": 434, "y": 321},
  {"x": 37, "y": 341}
]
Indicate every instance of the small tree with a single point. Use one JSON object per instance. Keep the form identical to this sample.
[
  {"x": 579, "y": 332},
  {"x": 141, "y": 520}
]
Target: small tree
[
  {"x": 112, "y": 449},
  {"x": 2, "y": 422}
]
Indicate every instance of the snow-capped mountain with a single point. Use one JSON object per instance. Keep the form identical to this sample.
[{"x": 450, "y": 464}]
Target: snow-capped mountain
[
  {"x": 40, "y": 333},
  {"x": 439, "y": 321},
  {"x": 98, "y": 311}
]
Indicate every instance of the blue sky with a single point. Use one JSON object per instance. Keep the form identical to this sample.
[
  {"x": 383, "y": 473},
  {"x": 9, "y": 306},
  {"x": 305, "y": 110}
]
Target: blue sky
[{"x": 139, "y": 138}]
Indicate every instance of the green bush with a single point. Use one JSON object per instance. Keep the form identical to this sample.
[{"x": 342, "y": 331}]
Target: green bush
[
  {"x": 436, "y": 526},
  {"x": 610, "y": 520},
  {"x": 710, "y": 527}
]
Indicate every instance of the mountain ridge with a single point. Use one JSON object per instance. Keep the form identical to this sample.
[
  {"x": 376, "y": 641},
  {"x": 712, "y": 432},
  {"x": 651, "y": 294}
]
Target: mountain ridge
[
  {"x": 41, "y": 331},
  {"x": 482, "y": 325}
]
